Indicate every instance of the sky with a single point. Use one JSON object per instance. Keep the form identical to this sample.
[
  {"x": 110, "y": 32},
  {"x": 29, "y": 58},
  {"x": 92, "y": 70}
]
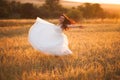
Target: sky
[
  {"x": 98, "y": 1},
  {"x": 83, "y": 1}
]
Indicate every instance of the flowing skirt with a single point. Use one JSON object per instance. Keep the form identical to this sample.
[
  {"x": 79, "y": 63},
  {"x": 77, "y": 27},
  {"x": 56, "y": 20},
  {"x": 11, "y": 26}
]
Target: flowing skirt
[{"x": 48, "y": 38}]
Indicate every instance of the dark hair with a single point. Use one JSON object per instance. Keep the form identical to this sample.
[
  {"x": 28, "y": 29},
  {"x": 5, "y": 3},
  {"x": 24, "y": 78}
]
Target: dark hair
[{"x": 66, "y": 22}]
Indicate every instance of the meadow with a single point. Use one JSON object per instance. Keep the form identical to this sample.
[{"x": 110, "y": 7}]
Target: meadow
[{"x": 96, "y": 53}]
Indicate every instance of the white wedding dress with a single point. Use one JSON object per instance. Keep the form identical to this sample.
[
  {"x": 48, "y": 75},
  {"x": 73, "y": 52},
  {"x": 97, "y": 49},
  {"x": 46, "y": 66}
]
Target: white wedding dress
[{"x": 48, "y": 38}]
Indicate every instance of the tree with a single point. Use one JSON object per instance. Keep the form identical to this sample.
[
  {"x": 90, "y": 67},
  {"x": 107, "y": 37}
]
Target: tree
[
  {"x": 92, "y": 10},
  {"x": 52, "y": 3},
  {"x": 75, "y": 14},
  {"x": 28, "y": 11},
  {"x": 86, "y": 9},
  {"x": 14, "y": 9},
  {"x": 97, "y": 11},
  {"x": 51, "y": 9},
  {"x": 3, "y": 9}
]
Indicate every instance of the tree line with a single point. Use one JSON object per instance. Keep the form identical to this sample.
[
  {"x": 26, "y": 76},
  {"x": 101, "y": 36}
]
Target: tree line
[{"x": 51, "y": 9}]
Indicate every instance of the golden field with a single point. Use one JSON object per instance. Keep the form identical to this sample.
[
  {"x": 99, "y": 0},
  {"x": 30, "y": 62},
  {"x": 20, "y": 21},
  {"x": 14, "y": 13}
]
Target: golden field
[{"x": 96, "y": 53}]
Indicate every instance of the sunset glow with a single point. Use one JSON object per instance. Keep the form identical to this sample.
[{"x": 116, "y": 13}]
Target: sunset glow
[{"x": 97, "y": 1}]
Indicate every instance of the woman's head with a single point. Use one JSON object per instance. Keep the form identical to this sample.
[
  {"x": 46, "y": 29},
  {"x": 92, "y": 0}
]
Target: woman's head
[{"x": 64, "y": 20}]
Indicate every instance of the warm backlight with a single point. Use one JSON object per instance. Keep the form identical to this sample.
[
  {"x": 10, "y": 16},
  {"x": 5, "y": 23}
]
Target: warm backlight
[{"x": 97, "y": 1}]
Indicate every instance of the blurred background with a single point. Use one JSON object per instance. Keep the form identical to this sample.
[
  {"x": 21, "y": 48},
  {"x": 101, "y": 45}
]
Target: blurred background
[{"x": 30, "y": 9}]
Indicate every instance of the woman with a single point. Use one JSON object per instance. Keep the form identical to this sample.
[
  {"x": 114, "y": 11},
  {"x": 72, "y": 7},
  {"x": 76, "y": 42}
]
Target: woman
[
  {"x": 66, "y": 22},
  {"x": 49, "y": 38}
]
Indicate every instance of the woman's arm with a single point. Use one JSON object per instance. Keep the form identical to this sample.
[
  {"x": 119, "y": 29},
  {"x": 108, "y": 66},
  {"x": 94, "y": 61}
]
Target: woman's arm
[{"x": 75, "y": 26}]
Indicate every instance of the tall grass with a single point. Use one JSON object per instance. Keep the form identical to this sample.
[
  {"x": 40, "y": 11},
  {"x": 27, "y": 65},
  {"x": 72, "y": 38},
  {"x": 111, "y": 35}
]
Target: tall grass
[{"x": 96, "y": 54}]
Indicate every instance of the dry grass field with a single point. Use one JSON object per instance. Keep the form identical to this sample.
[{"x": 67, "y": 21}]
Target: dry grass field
[{"x": 96, "y": 53}]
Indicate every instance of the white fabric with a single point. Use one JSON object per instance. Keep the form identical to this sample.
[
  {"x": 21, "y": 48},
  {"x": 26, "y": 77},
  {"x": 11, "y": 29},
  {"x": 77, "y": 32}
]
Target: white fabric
[{"x": 48, "y": 38}]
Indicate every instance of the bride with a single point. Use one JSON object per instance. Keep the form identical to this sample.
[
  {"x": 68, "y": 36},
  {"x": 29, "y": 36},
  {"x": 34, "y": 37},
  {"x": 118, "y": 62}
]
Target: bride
[{"x": 49, "y": 38}]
